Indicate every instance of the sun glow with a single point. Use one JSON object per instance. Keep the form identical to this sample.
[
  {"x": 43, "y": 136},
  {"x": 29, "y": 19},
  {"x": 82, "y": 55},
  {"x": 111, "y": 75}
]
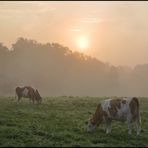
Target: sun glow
[{"x": 82, "y": 43}]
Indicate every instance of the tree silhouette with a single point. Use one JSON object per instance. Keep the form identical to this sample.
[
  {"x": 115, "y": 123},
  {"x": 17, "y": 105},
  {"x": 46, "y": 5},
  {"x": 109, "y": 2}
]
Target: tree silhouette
[{"x": 56, "y": 70}]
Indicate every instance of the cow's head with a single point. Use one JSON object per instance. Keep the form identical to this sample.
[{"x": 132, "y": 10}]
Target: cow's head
[
  {"x": 38, "y": 97},
  {"x": 91, "y": 125},
  {"x": 95, "y": 120}
]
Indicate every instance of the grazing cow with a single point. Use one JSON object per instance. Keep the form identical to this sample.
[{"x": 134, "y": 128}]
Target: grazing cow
[
  {"x": 28, "y": 92},
  {"x": 125, "y": 109}
]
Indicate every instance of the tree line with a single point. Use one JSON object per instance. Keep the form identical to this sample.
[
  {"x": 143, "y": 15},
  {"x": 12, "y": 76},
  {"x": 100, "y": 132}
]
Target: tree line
[{"x": 58, "y": 71}]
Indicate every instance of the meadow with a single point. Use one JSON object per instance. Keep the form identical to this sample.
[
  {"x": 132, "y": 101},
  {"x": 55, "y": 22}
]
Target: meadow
[{"x": 60, "y": 122}]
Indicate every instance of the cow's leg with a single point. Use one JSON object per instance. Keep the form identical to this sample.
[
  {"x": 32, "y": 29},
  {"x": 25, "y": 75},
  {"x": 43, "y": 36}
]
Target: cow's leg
[
  {"x": 33, "y": 100},
  {"x": 108, "y": 127},
  {"x": 129, "y": 128},
  {"x": 138, "y": 128},
  {"x": 39, "y": 101},
  {"x": 15, "y": 96},
  {"x": 31, "y": 97},
  {"x": 30, "y": 101},
  {"x": 129, "y": 122},
  {"x": 138, "y": 125},
  {"x": 19, "y": 98}
]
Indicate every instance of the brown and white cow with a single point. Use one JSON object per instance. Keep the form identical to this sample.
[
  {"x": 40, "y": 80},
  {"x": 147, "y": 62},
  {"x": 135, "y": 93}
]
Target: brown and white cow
[
  {"x": 28, "y": 92},
  {"x": 125, "y": 109}
]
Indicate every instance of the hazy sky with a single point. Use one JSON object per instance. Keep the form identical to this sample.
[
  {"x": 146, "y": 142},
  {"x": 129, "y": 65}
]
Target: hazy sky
[{"x": 113, "y": 31}]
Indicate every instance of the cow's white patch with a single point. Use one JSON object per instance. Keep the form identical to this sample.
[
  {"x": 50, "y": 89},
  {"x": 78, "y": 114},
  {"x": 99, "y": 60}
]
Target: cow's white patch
[
  {"x": 105, "y": 105},
  {"x": 108, "y": 130},
  {"x": 25, "y": 93}
]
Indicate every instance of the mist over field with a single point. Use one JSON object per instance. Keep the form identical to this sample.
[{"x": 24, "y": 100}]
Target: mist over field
[
  {"x": 70, "y": 48},
  {"x": 79, "y": 59},
  {"x": 56, "y": 70}
]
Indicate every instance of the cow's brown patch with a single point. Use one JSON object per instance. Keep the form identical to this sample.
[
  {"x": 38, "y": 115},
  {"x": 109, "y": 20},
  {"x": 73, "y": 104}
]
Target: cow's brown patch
[
  {"x": 97, "y": 117},
  {"x": 115, "y": 104}
]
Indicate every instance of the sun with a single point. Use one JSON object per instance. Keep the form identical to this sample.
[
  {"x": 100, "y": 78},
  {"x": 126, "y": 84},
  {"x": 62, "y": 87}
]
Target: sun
[{"x": 82, "y": 43}]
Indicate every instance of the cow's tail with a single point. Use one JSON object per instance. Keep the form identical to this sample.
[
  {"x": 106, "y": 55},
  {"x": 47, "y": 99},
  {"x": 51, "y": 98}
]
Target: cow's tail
[
  {"x": 137, "y": 101},
  {"x": 138, "y": 110},
  {"x": 16, "y": 94}
]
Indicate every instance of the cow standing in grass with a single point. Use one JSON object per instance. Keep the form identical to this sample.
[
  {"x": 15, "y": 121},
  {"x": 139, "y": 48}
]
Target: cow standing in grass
[
  {"x": 28, "y": 92},
  {"x": 116, "y": 109}
]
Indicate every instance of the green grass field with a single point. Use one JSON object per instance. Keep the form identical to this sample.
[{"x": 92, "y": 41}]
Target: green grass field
[{"x": 60, "y": 122}]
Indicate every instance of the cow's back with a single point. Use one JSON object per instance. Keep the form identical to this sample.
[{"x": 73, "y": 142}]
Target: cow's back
[
  {"x": 117, "y": 108},
  {"x": 25, "y": 91},
  {"x": 29, "y": 91}
]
